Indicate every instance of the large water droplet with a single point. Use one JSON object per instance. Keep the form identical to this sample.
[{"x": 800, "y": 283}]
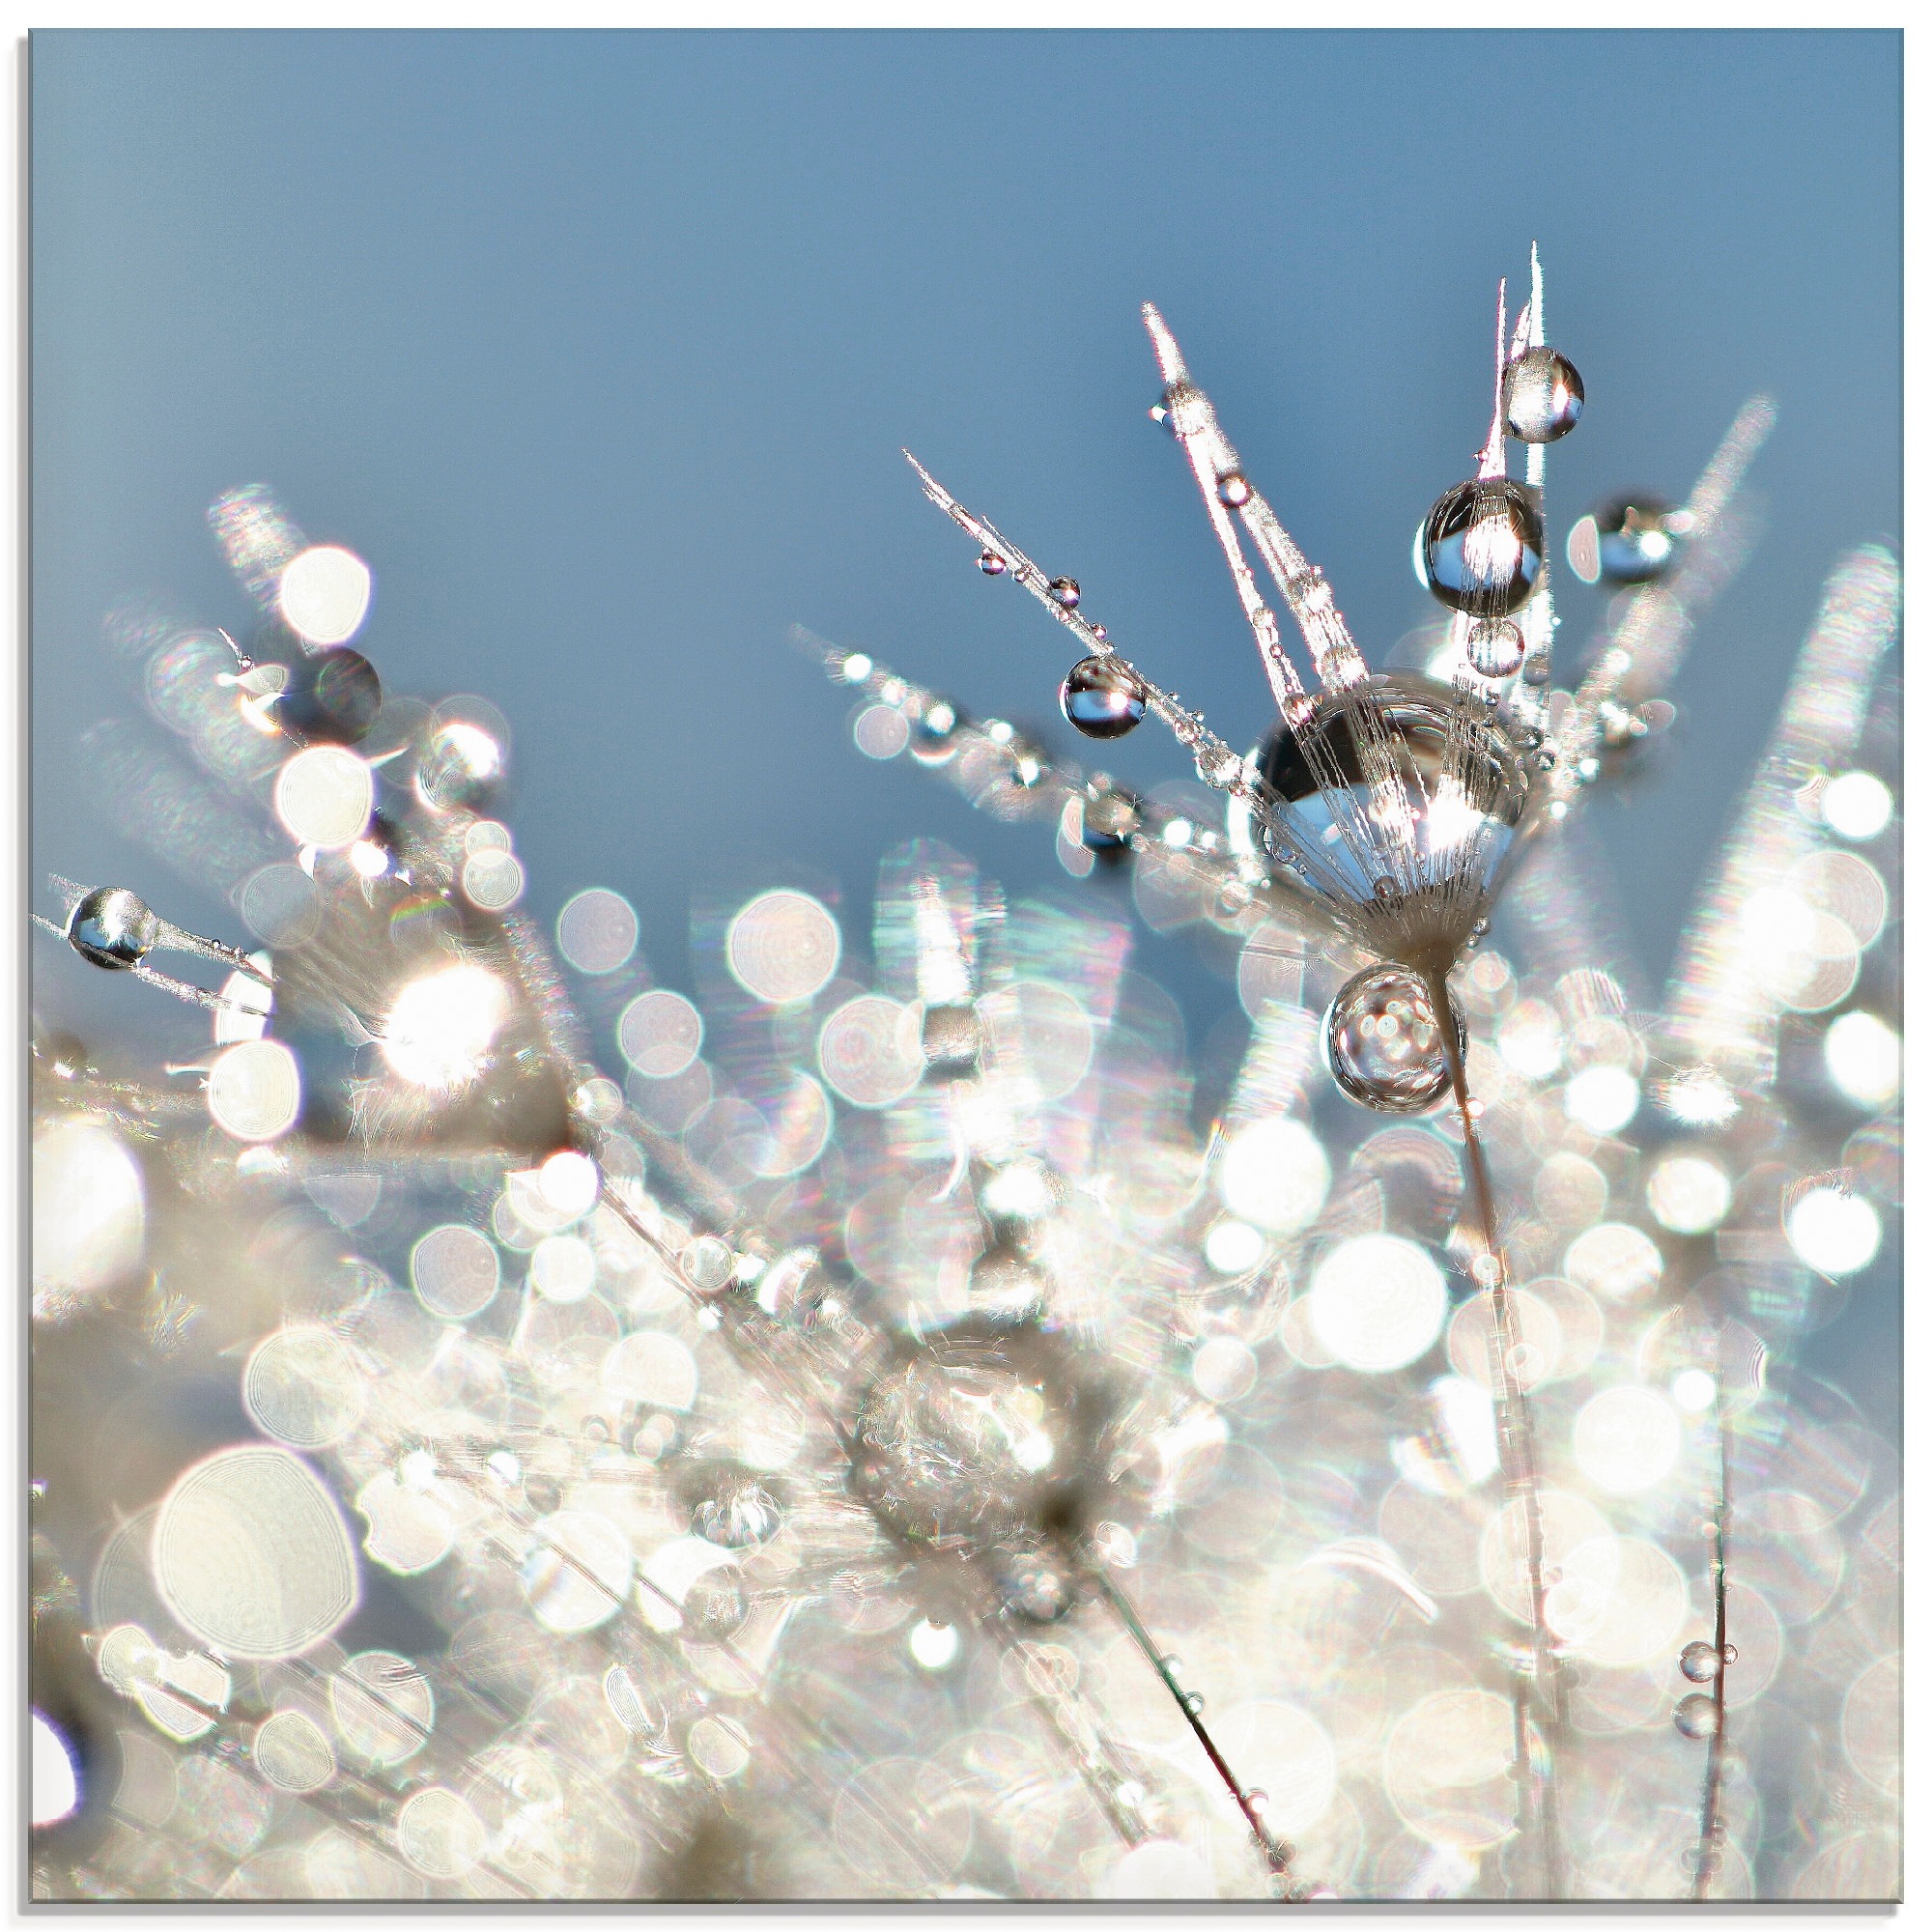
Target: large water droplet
[
  {"x": 1383, "y": 1046},
  {"x": 333, "y": 699},
  {"x": 1696, "y": 1715},
  {"x": 1481, "y": 547},
  {"x": 1638, "y": 540},
  {"x": 1108, "y": 820},
  {"x": 1543, "y": 396},
  {"x": 1103, "y": 698},
  {"x": 1065, "y": 593},
  {"x": 739, "y": 1511},
  {"x": 1233, "y": 489},
  {"x": 992, "y": 563},
  {"x": 459, "y": 767},
  {"x": 1698, "y": 1661},
  {"x": 1496, "y": 646},
  {"x": 111, "y": 928}
]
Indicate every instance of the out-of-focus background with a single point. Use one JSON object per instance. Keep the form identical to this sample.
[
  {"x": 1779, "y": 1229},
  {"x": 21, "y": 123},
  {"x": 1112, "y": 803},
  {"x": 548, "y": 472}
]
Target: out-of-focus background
[{"x": 600, "y": 349}]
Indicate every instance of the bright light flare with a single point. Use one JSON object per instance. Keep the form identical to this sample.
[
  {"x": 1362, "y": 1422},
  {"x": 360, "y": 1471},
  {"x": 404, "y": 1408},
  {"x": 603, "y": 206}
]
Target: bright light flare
[
  {"x": 1862, "y": 1056},
  {"x": 1602, "y": 1098},
  {"x": 1687, "y": 1194},
  {"x": 1274, "y": 1173},
  {"x": 1836, "y": 1232},
  {"x": 1377, "y": 1303},
  {"x": 1857, "y": 805},
  {"x": 441, "y": 1028},
  {"x": 325, "y": 594},
  {"x": 90, "y": 1208},
  {"x": 56, "y": 1775}
]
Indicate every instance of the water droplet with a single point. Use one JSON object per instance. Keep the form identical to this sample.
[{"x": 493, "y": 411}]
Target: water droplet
[
  {"x": 1103, "y": 698},
  {"x": 1035, "y": 1580},
  {"x": 715, "y": 1607},
  {"x": 1383, "y": 1047},
  {"x": 111, "y": 928},
  {"x": 1481, "y": 547},
  {"x": 1730, "y": 1654},
  {"x": 972, "y": 1442},
  {"x": 1463, "y": 805},
  {"x": 63, "y": 1055},
  {"x": 1496, "y": 647},
  {"x": 1543, "y": 396},
  {"x": 1696, "y": 1715},
  {"x": 992, "y": 563},
  {"x": 1030, "y": 766},
  {"x": 1231, "y": 487},
  {"x": 738, "y": 1514},
  {"x": 459, "y": 766},
  {"x": 1005, "y": 1283},
  {"x": 1108, "y": 820},
  {"x": 935, "y": 733},
  {"x": 1699, "y": 1662},
  {"x": 1217, "y": 765},
  {"x": 1065, "y": 592},
  {"x": 707, "y": 1262},
  {"x": 949, "y": 1038},
  {"x": 333, "y": 699},
  {"x": 1194, "y": 1703},
  {"x": 1635, "y": 541}
]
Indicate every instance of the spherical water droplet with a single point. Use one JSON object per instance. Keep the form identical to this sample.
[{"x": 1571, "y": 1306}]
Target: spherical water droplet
[
  {"x": 459, "y": 766},
  {"x": 1004, "y": 1283},
  {"x": 1036, "y": 1581},
  {"x": 1231, "y": 487},
  {"x": 1730, "y": 1654},
  {"x": 983, "y": 1439},
  {"x": 1696, "y": 1715},
  {"x": 1698, "y": 1661},
  {"x": 1466, "y": 806},
  {"x": 715, "y": 1607},
  {"x": 1383, "y": 1047},
  {"x": 1194, "y": 1703},
  {"x": 333, "y": 699},
  {"x": 1030, "y": 765},
  {"x": 1103, "y": 698},
  {"x": 707, "y": 1263},
  {"x": 1481, "y": 547},
  {"x": 992, "y": 563},
  {"x": 739, "y": 1511},
  {"x": 1635, "y": 541},
  {"x": 935, "y": 733},
  {"x": 1108, "y": 820},
  {"x": 949, "y": 1038},
  {"x": 1217, "y": 765},
  {"x": 111, "y": 928},
  {"x": 1496, "y": 647},
  {"x": 1543, "y": 396},
  {"x": 1065, "y": 593},
  {"x": 63, "y": 1055}
]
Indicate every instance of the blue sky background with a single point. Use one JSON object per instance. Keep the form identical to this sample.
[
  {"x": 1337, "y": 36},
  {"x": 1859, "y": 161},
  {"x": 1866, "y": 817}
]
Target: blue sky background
[{"x": 601, "y": 350}]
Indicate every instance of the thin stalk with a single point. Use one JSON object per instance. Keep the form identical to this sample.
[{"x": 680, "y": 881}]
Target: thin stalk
[
  {"x": 1516, "y": 1446},
  {"x": 1709, "y": 1853},
  {"x": 1280, "y": 1857}
]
